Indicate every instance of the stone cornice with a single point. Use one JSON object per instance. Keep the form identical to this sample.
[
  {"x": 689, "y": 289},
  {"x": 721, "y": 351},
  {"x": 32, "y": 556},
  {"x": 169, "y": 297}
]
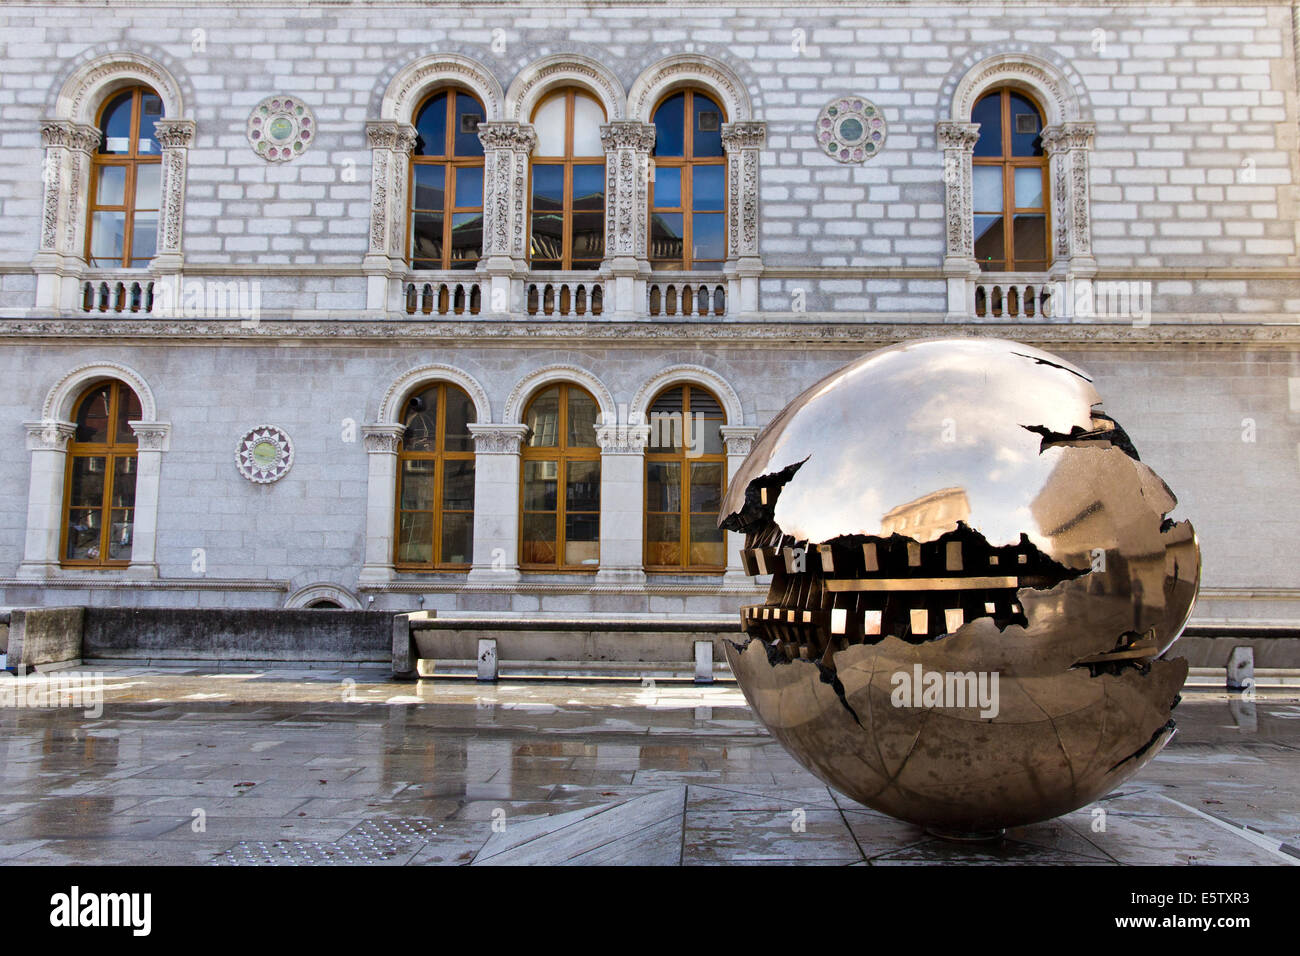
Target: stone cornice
[{"x": 823, "y": 331}]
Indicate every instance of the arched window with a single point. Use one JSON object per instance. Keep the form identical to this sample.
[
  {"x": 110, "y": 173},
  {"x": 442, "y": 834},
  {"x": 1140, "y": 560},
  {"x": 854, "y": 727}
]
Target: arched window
[
  {"x": 561, "y": 482},
  {"x": 99, "y": 487},
  {"x": 1009, "y": 173},
  {"x": 688, "y": 225},
  {"x": 435, "y": 481},
  {"x": 446, "y": 212},
  {"x": 568, "y": 183},
  {"x": 125, "y": 182},
  {"x": 685, "y": 477}
]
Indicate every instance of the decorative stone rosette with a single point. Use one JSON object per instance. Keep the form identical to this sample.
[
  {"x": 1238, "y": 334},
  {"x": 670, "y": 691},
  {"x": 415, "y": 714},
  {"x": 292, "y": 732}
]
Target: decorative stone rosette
[
  {"x": 280, "y": 128},
  {"x": 851, "y": 129},
  {"x": 265, "y": 454}
]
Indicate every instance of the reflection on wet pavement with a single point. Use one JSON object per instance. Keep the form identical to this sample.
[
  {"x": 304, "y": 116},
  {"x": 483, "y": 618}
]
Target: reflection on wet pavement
[{"x": 281, "y": 767}]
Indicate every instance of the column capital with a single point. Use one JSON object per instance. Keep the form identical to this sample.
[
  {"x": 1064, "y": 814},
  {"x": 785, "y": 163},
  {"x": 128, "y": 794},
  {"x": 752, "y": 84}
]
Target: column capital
[
  {"x": 958, "y": 135},
  {"x": 79, "y": 136},
  {"x": 627, "y": 134},
  {"x": 1067, "y": 136},
  {"x": 751, "y": 134},
  {"x": 622, "y": 439},
  {"x": 507, "y": 135},
  {"x": 382, "y": 439},
  {"x": 389, "y": 134},
  {"x": 498, "y": 439},
  {"x": 739, "y": 439},
  {"x": 49, "y": 435},
  {"x": 151, "y": 436},
  {"x": 174, "y": 133}
]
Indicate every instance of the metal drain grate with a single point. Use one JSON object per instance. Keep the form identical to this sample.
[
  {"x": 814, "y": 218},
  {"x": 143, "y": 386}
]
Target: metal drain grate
[{"x": 374, "y": 842}]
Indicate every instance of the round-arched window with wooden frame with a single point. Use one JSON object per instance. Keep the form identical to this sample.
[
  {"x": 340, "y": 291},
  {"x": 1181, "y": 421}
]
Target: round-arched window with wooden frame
[
  {"x": 1009, "y": 171},
  {"x": 446, "y": 201},
  {"x": 435, "y": 481},
  {"x": 567, "y": 183},
  {"x": 688, "y": 193},
  {"x": 125, "y": 182},
  {"x": 560, "y": 482},
  {"x": 685, "y": 477},
  {"x": 99, "y": 484}
]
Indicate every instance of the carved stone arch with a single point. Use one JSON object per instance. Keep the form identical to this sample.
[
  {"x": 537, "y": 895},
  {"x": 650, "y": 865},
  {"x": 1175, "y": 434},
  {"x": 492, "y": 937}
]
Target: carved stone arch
[
  {"x": 689, "y": 70},
  {"x": 60, "y": 399},
  {"x": 688, "y": 375},
  {"x": 304, "y": 597},
  {"x": 413, "y": 81},
  {"x": 92, "y": 82},
  {"x": 553, "y": 374},
  {"x": 564, "y": 69},
  {"x": 390, "y": 406},
  {"x": 1047, "y": 83}
]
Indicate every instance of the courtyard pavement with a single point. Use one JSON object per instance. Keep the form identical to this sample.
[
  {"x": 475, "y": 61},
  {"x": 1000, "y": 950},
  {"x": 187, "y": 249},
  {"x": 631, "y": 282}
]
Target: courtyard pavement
[{"x": 282, "y": 767}]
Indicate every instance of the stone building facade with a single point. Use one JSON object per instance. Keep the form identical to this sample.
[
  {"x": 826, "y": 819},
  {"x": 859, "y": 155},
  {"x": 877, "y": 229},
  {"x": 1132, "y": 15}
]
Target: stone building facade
[{"x": 269, "y": 299}]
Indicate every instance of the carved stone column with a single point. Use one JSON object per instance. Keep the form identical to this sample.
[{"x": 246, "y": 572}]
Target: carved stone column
[
  {"x": 390, "y": 151},
  {"x": 381, "y": 501},
  {"x": 627, "y": 174},
  {"x": 1067, "y": 146},
  {"x": 48, "y": 443},
  {"x": 739, "y": 441},
  {"x": 152, "y": 439},
  {"x": 743, "y": 143},
  {"x": 506, "y": 148},
  {"x": 65, "y": 175},
  {"x": 622, "y": 496},
  {"x": 957, "y": 140},
  {"x": 496, "y": 503},
  {"x": 174, "y": 137}
]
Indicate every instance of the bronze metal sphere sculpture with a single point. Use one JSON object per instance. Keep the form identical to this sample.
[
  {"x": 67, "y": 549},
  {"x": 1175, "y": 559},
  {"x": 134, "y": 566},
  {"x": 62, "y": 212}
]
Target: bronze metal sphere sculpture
[{"x": 974, "y": 583}]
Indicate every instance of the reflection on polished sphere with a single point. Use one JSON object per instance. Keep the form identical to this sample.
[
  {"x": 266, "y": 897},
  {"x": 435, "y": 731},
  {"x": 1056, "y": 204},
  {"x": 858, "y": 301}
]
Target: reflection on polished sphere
[{"x": 974, "y": 585}]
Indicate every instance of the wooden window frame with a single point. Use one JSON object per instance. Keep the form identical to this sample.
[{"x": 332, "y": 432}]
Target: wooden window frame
[
  {"x": 561, "y": 453},
  {"x": 131, "y": 160},
  {"x": 687, "y": 162},
  {"x": 111, "y": 451},
  {"x": 568, "y": 161},
  {"x": 684, "y": 513},
  {"x": 1009, "y": 165},
  {"x": 450, "y": 164},
  {"x": 440, "y": 456}
]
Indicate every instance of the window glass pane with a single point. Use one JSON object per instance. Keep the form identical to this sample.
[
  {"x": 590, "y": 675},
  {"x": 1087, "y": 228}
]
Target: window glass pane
[
  {"x": 87, "y": 490},
  {"x": 116, "y": 126},
  {"x": 707, "y": 135},
  {"x": 1025, "y": 128},
  {"x": 128, "y": 410},
  {"x": 588, "y": 117},
  {"x": 539, "y": 539},
  {"x": 421, "y": 421},
  {"x": 107, "y": 236},
  {"x": 589, "y": 187},
  {"x": 111, "y": 188},
  {"x": 548, "y": 122},
  {"x": 415, "y": 537},
  {"x": 468, "y": 115},
  {"x": 541, "y": 485},
  {"x": 124, "y": 471},
  {"x": 458, "y": 485},
  {"x": 460, "y": 413},
  {"x": 1029, "y": 241},
  {"x": 426, "y": 241},
  {"x": 988, "y": 113},
  {"x": 150, "y": 113},
  {"x": 582, "y": 539},
  {"x": 582, "y": 419},
  {"x": 663, "y": 539},
  {"x": 988, "y": 239},
  {"x": 668, "y": 187},
  {"x": 148, "y": 180},
  {"x": 670, "y": 126},
  {"x": 469, "y": 186},
  {"x": 711, "y": 441},
  {"x": 83, "y": 535},
  {"x": 708, "y": 237},
  {"x": 466, "y": 239},
  {"x": 987, "y": 182},
  {"x": 582, "y": 486},
  {"x": 548, "y": 187},
  {"x": 708, "y": 187},
  {"x": 92, "y": 416},
  {"x": 119, "y": 534},
  {"x": 144, "y": 237},
  {"x": 667, "y": 428},
  {"x": 706, "y": 542},
  {"x": 431, "y": 128},
  {"x": 457, "y": 538},
  {"x": 1029, "y": 188},
  {"x": 663, "y": 484},
  {"x": 706, "y": 487},
  {"x": 418, "y": 483},
  {"x": 429, "y": 185},
  {"x": 543, "y": 417},
  {"x": 666, "y": 235},
  {"x": 588, "y": 238}
]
